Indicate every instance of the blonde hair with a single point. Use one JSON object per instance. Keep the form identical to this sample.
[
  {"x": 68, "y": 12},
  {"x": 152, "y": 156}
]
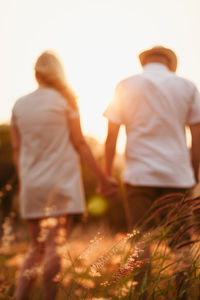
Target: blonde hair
[{"x": 50, "y": 72}]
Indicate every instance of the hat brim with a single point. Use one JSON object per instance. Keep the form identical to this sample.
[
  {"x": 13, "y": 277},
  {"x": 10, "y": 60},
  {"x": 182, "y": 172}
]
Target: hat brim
[{"x": 168, "y": 53}]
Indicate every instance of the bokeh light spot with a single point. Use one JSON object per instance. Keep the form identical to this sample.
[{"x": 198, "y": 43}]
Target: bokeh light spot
[{"x": 97, "y": 206}]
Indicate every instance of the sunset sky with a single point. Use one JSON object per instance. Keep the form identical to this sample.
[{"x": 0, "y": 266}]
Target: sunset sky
[{"x": 98, "y": 41}]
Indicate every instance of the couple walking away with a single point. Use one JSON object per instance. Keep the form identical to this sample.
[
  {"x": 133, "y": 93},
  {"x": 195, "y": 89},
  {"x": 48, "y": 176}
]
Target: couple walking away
[{"x": 155, "y": 107}]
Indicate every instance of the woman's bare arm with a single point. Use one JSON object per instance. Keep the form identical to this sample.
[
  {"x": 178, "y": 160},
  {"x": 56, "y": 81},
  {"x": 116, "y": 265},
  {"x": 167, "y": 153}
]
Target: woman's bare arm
[{"x": 87, "y": 157}]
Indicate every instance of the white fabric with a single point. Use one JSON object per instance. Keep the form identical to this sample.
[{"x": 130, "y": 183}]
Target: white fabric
[
  {"x": 51, "y": 182},
  {"x": 155, "y": 106}
]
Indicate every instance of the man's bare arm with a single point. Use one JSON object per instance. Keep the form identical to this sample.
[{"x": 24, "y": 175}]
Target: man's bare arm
[
  {"x": 15, "y": 141},
  {"x": 195, "y": 150},
  {"x": 110, "y": 146}
]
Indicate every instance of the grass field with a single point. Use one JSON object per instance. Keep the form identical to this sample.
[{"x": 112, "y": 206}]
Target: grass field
[{"x": 161, "y": 264}]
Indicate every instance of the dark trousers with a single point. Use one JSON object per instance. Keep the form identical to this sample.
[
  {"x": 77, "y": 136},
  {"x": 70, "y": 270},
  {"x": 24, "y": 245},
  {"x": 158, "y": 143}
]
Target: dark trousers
[{"x": 139, "y": 199}]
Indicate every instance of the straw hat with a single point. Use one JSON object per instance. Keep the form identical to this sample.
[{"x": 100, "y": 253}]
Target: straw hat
[{"x": 166, "y": 52}]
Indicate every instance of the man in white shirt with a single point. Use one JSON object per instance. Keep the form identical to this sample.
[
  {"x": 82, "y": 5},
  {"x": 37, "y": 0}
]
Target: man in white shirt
[{"x": 155, "y": 107}]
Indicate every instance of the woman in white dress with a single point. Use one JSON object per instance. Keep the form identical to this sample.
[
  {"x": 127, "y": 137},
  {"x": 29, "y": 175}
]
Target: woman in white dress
[{"x": 47, "y": 142}]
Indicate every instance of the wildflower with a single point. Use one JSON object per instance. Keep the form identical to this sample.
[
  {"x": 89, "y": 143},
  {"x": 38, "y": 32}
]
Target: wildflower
[
  {"x": 105, "y": 283},
  {"x": 129, "y": 267},
  {"x": 135, "y": 232},
  {"x": 32, "y": 273},
  {"x": 43, "y": 235},
  {"x": 8, "y": 235},
  {"x": 61, "y": 236},
  {"x": 102, "y": 260},
  {"x": 57, "y": 278},
  {"x": 86, "y": 283},
  {"x": 94, "y": 273},
  {"x": 94, "y": 241},
  {"x": 49, "y": 222}
]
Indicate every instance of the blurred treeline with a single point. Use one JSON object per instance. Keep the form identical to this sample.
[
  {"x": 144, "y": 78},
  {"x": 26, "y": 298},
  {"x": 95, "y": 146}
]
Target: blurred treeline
[
  {"x": 8, "y": 176},
  {"x": 112, "y": 216}
]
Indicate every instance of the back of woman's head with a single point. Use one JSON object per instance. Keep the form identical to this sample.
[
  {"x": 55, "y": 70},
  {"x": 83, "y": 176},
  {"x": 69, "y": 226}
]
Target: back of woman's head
[{"x": 49, "y": 72}]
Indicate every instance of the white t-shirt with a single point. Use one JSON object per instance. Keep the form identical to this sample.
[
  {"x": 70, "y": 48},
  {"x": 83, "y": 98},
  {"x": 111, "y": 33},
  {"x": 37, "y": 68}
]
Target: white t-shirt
[
  {"x": 155, "y": 107},
  {"x": 51, "y": 181}
]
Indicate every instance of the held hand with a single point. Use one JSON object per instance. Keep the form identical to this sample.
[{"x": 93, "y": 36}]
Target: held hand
[{"x": 108, "y": 187}]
